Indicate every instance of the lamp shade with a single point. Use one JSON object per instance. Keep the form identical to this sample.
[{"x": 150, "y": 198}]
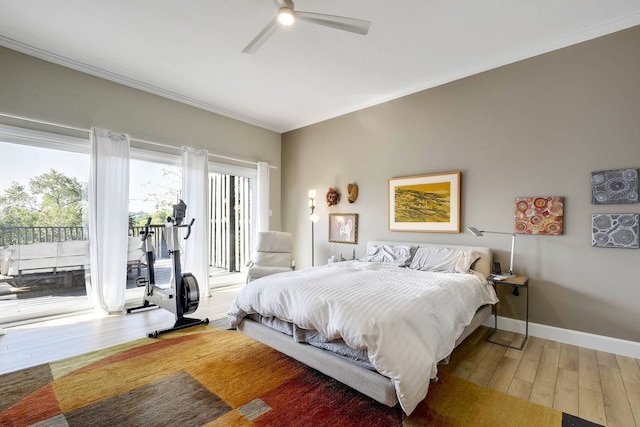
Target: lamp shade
[{"x": 475, "y": 231}]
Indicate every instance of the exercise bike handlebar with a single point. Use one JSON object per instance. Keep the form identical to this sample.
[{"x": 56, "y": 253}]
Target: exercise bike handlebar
[
  {"x": 177, "y": 223},
  {"x": 146, "y": 232},
  {"x": 188, "y": 228}
]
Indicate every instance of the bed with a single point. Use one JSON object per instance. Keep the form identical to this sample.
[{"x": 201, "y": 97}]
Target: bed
[{"x": 380, "y": 324}]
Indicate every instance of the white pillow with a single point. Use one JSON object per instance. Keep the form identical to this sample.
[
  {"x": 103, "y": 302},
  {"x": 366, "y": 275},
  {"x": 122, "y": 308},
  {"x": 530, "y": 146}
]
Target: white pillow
[
  {"x": 446, "y": 260},
  {"x": 387, "y": 254}
]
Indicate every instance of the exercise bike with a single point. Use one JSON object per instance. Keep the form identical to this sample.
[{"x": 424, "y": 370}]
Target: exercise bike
[{"x": 183, "y": 295}]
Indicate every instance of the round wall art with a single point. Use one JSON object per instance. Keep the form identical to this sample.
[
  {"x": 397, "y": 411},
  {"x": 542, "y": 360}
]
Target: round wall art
[
  {"x": 615, "y": 230},
  {"x": 614, "y": 186},
  {"x": 539, "y": 215}
]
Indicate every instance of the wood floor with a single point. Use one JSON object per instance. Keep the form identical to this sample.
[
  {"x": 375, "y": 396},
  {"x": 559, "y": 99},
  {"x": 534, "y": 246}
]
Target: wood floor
[{"x": 601, "y": 387}]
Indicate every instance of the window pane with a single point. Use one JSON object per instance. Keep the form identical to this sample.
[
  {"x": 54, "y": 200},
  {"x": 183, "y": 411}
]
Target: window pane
[
  {"x": 44, "y": 247},
  {"x": 154, "y": 187}
]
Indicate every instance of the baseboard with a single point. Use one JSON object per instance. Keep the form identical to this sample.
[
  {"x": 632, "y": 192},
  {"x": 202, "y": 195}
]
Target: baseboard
[{"x": 567, "y": 336}]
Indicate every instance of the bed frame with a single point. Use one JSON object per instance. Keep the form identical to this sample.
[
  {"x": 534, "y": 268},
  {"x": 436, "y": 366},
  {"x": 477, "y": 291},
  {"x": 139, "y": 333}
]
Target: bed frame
[{"x": 367, "y": 382}]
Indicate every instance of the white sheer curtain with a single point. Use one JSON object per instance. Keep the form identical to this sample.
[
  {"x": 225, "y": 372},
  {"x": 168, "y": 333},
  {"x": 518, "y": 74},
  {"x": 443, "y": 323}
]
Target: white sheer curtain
[
  {"x": 262, "y": 210},
  {"x": 108, "y": 219},
  {"x": 195, "y": 193}
]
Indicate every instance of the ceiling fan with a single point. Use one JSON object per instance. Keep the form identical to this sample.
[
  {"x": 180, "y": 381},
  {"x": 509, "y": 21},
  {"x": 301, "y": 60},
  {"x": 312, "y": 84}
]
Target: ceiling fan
[{"x": 287, "y": 15}]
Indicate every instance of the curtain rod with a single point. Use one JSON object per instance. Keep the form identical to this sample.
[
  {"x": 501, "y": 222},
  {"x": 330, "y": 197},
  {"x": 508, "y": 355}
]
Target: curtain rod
[{"x": 88, "y": 131}]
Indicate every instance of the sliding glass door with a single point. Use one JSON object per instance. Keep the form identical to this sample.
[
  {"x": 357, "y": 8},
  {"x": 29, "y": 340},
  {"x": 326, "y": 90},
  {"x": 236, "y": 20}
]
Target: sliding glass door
[
  {"x": 232, "y": 198},
  {"x": 44, "y": 246},
  {"x": 155, "y": 185},
  {"x": 44, "y": 239}
]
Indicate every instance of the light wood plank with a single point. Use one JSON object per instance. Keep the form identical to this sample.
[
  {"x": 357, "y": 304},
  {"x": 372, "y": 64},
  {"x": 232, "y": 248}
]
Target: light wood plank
[
  {"x": 589, "y": 375},
  {"x": 633, "y": 394},
  {"x": 606, "y": 359},
  {"x": 516, "y": 342},
  {"x": 520, "y": 388},
  {"x": 544, "y": 383},
  {"x": 616, "y": 403},
  {"x": 476, "y": 355},
  {"x": 503, "y": 337},
  {"x": 503, "y": 375},
  {"x": 464, "y": 369},
  {"x": 461, "y": 353},
  {"x": 530, "y": 359},
  {"x": 566, "y": 397},
  {"x": 487, "y": 366},
  {"x": 569, "y": 357},
  {"x": 591, "y": 406},
  {"x": 629, "y": 369}
]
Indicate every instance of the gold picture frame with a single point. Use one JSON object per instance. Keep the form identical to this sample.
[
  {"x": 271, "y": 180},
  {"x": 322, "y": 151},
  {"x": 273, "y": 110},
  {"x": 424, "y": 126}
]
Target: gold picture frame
[
  {"x": 343, "y": 228},
  {"x": 425, "y": 203}
]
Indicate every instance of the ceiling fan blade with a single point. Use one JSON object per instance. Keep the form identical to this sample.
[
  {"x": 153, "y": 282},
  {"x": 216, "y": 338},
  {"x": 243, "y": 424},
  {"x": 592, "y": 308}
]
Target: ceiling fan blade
[
  {"x": 262, "y": 36},
  {"x": 339, "y": 22},
  {"x": 284, "y": 3}
]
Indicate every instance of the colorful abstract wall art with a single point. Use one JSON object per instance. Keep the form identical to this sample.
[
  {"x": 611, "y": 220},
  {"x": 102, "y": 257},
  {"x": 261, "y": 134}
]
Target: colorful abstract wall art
[
  {"x": 615, "y": 230},
  {"x": 614, "y": 186},
  {"x": 539, "y": 215}
]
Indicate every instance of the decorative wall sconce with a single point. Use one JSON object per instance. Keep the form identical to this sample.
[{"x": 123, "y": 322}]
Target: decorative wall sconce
[{"x": 314, "y": 218}]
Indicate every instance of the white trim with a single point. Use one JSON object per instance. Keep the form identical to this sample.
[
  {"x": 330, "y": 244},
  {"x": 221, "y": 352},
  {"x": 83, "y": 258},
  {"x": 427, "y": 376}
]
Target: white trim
[
  {"x": 131, "y": 139},
  {"x": 234, "y": 170},
  {"x": 155, "y": 156},
  {"x": 568, "y": 336},
  {"x": 40, "y": 139}
]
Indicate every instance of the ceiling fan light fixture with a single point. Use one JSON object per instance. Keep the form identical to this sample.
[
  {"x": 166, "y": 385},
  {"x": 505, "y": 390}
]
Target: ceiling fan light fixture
[{"x": 285, "y": 16}]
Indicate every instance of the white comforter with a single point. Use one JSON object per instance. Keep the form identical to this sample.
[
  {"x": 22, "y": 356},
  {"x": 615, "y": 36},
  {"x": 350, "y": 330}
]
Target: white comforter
[{"x": 407, "y": 320}]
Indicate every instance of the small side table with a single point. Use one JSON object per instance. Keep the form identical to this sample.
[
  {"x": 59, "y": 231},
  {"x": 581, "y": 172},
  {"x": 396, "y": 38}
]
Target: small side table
[{"x": 516, "y": 282}]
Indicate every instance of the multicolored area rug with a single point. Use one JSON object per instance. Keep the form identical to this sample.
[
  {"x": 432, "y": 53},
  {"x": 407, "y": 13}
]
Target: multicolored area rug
[{"x": 205, "y": 376}]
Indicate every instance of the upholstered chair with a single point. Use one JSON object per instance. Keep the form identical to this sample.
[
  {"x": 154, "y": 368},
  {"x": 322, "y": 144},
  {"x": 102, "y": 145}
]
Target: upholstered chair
[{"x": 273, "y": 254}]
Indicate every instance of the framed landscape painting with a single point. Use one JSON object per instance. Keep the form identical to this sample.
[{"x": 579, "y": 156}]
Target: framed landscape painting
[{"x": 427, "y": 203}]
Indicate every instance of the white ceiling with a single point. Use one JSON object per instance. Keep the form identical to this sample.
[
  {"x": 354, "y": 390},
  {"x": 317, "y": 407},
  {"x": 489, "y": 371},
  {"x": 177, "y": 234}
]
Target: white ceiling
[{"x": 190, "y": 50}]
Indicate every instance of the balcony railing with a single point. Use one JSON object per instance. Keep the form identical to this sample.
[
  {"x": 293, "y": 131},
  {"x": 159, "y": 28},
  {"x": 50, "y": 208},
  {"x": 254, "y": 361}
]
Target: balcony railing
[
  {"x": 157, "y": 239},
  {"x": 10, "y": 236},
  {"x": 28, "y": 235}
]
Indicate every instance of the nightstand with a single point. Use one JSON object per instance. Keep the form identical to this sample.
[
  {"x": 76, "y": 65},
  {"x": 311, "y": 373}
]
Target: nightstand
[{"x": 517, "y": 283}]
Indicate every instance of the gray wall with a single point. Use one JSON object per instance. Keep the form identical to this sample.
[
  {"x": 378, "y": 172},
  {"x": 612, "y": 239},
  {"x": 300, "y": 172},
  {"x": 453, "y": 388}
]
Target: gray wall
[
  {"x": 34, "y": 88},
  {"x": 534, "y": 128}
]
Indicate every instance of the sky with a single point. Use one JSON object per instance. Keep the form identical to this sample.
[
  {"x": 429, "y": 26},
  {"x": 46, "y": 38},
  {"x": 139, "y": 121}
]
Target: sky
[{"x": 21, "y": 162}]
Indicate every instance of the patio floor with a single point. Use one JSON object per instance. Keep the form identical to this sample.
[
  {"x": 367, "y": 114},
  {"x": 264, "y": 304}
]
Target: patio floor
[{"x": 34, "y": 301}]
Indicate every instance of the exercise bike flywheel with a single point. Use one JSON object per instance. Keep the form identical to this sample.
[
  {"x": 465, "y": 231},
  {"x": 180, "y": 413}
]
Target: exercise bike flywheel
[{"x": 190, "y": 294}]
